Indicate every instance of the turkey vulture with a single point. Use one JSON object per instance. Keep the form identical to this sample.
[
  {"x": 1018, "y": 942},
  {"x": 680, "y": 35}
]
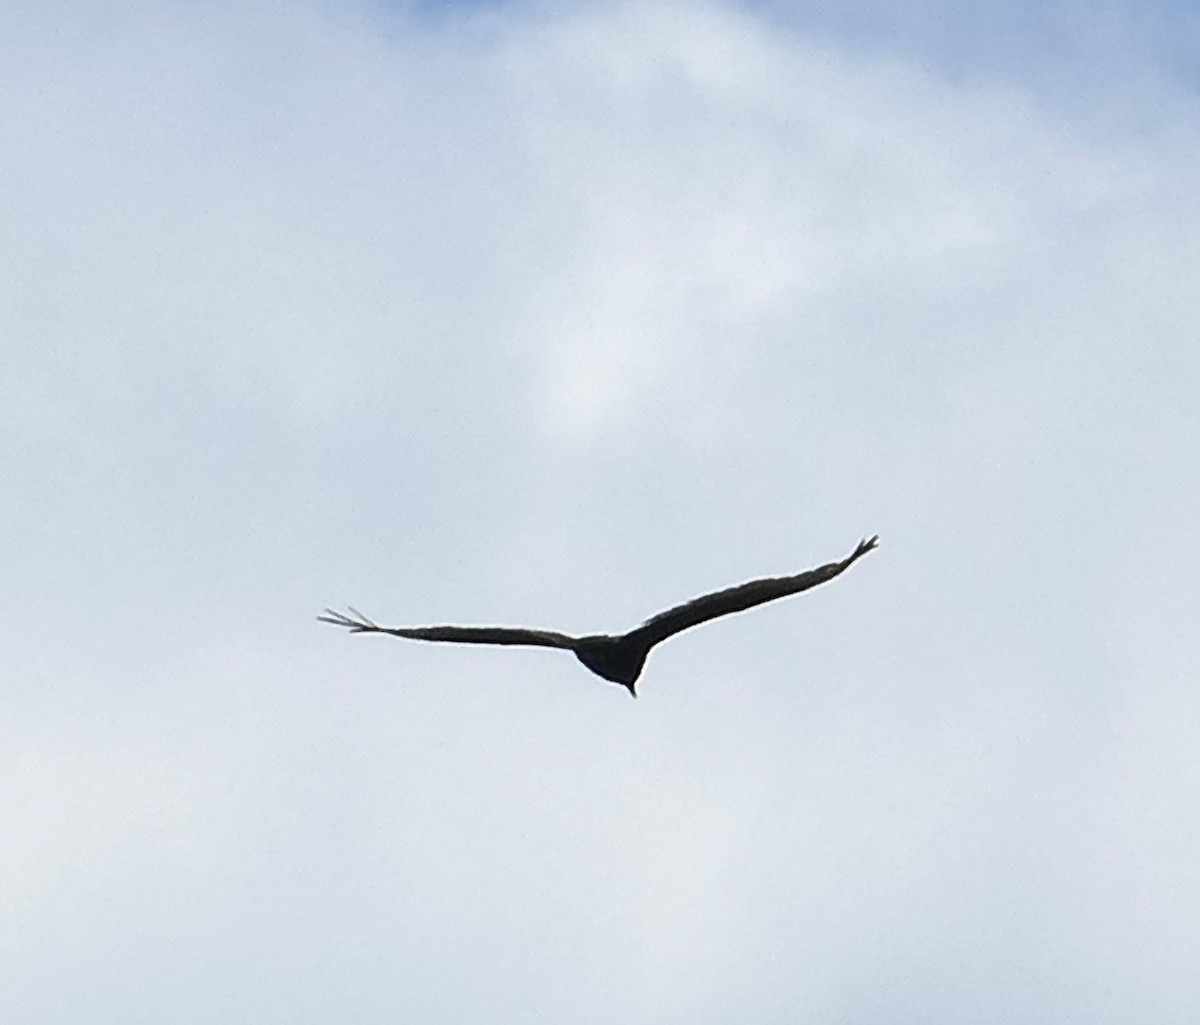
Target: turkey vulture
[{"x": 620, "y": 658}]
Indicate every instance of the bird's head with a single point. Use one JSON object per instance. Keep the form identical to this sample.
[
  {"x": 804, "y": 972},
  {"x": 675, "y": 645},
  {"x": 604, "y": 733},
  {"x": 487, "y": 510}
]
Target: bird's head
[{"x": 619, "y": 659}]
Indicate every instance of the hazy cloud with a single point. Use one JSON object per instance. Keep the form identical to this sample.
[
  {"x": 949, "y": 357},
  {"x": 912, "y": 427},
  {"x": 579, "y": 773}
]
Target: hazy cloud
[{"x": 557, "y": 316}]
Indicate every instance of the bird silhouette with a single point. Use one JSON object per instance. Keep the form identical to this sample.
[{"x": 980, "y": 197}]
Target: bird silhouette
[{"x": 618, "y": 658}]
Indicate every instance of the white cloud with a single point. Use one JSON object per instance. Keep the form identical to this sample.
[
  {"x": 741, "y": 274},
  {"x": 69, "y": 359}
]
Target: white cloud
[{"x": 560, "y": 317}]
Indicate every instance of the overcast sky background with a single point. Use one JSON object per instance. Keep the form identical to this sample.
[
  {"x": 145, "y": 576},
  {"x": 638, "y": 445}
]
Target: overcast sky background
[{"x": 558, "y": 314}]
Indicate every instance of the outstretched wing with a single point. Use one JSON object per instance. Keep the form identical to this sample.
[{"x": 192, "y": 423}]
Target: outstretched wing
[
  {"x": 360, "y": 624},
  {"x": 744, "y": 596}
]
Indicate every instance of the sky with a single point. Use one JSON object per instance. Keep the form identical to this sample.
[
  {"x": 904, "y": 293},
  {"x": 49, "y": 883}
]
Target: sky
[{"x": 558, "y": 314}]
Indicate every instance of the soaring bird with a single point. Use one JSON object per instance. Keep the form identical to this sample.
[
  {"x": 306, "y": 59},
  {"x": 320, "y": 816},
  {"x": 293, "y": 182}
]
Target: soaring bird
[{"x": 617, "y": 658}]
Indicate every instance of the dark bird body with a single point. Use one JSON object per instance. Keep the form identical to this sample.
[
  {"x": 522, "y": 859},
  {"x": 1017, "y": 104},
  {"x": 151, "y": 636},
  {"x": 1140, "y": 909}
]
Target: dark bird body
[{"x": 618, "y": 658}]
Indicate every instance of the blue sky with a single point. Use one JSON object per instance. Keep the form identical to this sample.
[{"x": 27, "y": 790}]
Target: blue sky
[
  {"x": 558, "y": 315},
  {"x": 1025, "y": 39}
]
